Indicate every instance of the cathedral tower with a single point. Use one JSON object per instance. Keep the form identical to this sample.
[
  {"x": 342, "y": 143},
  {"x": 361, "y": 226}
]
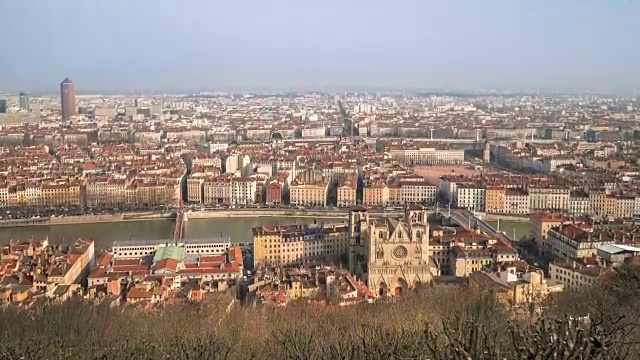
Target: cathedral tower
[
  {"x": 358, "y": 234},
  {"x": 486, "y": 153}
]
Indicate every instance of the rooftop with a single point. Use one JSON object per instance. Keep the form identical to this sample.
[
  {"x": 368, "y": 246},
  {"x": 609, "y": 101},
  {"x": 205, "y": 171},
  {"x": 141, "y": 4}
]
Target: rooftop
[{"x": 169, "y": 252}]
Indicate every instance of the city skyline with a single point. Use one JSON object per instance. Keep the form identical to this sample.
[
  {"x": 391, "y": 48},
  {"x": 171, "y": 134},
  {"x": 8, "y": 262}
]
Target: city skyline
[{"x": 285, "y": 46}]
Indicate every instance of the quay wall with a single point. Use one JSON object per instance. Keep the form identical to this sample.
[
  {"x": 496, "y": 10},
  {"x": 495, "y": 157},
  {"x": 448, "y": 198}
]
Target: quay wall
[{"x": 85, "y": 219}]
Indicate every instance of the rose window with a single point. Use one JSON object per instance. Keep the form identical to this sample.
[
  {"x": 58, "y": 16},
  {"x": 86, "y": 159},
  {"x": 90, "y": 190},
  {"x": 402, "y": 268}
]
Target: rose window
[{"x": 399, "y": 252}]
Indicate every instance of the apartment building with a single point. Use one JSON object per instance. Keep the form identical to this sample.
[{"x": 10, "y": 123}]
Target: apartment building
[
  {"x": 105, "y": 192},
  {"x": 624, "y": 206},
  {"x": 334, "y": 172},
  {"x": 308, "y": 194},
  {"x": 217, "y": 191},
  {"x": 395, "y": 194},
  {"x": 274, "y": 193},
  {"x": 570, "y": 242},
  {"x": 540, "y": 224},
  {"x": 60, "y": 194},
  {"x": 243, "y": 190},
  {"x": 516, "y": 284},
  {"x": 579, "y": 203},
  {"x": 495, "y": 198},
  {"x": 552, "y": 197},
  {"x": 33, "y": 194},
  {"x": 448, "y": 189},
  {"x": 375, "y": 194},
  {"x": 417, "y": 191},
  {"x": 597, "y": 199},
  {"x": 471, "y": 197},
  {"x": 575, "y": 276},
  {"x": 346, "y": 193},
  {"x": 461, "y": 251},
  {"x": 71, "y": 267},
  {"x": 195, "y": 186},
  {"x": 154, "y": 193},
  {"x": 516, "y": 201},
  {"x": 298, "y": 244}
]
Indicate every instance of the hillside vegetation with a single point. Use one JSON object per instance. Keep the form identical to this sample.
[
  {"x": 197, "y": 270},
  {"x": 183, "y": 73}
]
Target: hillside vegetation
[{"x": 436, "y": 324}]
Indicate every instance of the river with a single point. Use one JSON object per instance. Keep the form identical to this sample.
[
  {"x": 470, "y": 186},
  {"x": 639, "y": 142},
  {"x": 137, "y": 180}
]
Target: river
[
  {"x": 238, "y": 229},
  {"x": 521, "y": 227}
]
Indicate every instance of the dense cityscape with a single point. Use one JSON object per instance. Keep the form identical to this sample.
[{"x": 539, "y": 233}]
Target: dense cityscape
[{"x": 402, "y": 188}]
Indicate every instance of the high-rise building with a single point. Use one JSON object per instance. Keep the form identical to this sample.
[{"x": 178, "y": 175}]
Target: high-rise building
[
  {"x": 24, "y": 101},
  {"x": 3, "y": 106},
  {"x": 68, "y": 98}
]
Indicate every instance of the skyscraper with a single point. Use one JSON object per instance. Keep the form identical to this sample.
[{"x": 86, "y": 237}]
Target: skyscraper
[
  {"x": 68, "y": 98},
  {"x": 24, "y": 101},
  {"x": 3, "y": 106}
]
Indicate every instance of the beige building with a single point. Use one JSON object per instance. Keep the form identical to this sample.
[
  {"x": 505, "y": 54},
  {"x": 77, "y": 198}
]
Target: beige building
[
  {"x": 461, "y": 251},
  {"x": 308, "y": 194},
  {"x": 516, "y": 284},
  {"x": 60, "y": 194},
  {"x": 376, "y": 194},
  {"x": 625, "y": 207},
  {"x": 297, "y": 244},
  {"x": 105, "y": 192},
  {"x": 549, "y": 198},
  {"x": 154, "y": 193},
  {"x": 540, "y": 224},
  {"x": 395, "y": 194},
  {"x": 346, "y": 194},
  {"x": 195, "y": 190},
  {"x": 217, "y": 190},
  {"x": 597, "y": 201}
]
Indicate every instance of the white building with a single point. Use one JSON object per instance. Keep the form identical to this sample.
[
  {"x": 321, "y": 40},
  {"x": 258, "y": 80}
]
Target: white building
[
  {"x": 138, "y": 248},
  {"x": 315, "y": 132},
  {"x": 232, "y": 163},
  {"x": 471, "y": 197},
  {"x": 573, "y": 276},
  {"x": 418, "y": 192},
  {"x": 516, "y": 201},
  {"x": 243, "y": 191},
  {"x": 428, "y": 156}
]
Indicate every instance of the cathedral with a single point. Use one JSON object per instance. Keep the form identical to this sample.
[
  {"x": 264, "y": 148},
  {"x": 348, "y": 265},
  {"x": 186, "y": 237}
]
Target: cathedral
[{"x": 391, "y": 253}]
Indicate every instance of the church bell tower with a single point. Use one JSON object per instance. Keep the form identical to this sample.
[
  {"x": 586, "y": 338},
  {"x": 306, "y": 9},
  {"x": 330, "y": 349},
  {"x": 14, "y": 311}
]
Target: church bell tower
[{"x": 358, "y": 232}]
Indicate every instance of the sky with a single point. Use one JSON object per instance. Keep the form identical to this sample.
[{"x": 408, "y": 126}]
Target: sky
[{"x": 209, "y": 45}]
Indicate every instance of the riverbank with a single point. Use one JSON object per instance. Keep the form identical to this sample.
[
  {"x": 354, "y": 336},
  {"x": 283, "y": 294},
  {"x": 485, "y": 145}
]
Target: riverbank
[
  {"x": 86, "y": 219},
  {"x": 264, "y": 213},
  {"x": 255, "y": 213}
]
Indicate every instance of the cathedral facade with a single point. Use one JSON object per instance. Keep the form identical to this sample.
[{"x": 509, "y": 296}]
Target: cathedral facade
[{"x": 391, "y": 253}]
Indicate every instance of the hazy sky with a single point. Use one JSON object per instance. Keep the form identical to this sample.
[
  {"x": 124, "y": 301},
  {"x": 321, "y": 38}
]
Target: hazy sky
[{"x": 169, "y": 45}]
